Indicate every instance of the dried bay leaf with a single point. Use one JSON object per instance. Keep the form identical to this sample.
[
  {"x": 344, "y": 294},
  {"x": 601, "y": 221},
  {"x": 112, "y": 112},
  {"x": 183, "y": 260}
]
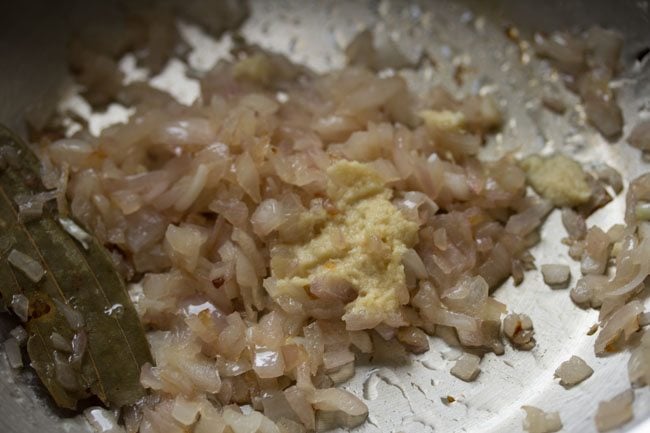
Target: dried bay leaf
[{"x": 85, "y": 280}]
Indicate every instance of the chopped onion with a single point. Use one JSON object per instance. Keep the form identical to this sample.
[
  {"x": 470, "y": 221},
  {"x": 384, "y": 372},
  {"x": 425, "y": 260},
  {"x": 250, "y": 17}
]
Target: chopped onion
[
  {"x": 596, "y": 253},
  {"x": 555, "y": 275},
  {"x": 184, "y": 244},
  {"x": 60, "y": 343},
  {"x": 30, "y": 267},
  {"x": 336, "y": 359},
  {"x": 624, "y": 321},
  {"x": 268, "y": 216},
  {"x": 413, "y": 263},
  {"x": 65, "y": 374},
  {"x": 75, "y": 231},
  {"x": 326, "y": 287},
  {"x": 574, "y": 223},
  {"x": 573, "y": 372},
  {"x": 519, "y": 330},
  {"x": 639, "y": 364},
  {"x": 276, "y": 406},
  {"x": 640, "y": 136},
  {"x": 413, "y": 339},
  {"x": 298, "y": 400},
  {"x": 20, "y": 306},
  {"x": 19, "y": 334},
  {"x": 102, "y": 420},
  {"x": 538, "y": 421},
  {"x": 614, "y": 413},
  {"x": 347, "y": 410},
  {"x": 79, "y": 345},
  {"x": 610, "y": 176},
  {"x": 466, "y": 367},
  {"x": 12, "y": 349},
  {"x": 210, "y": 421},
  {"x": 185, "y": 411},
  {"x": 240, "y": 423},
  {"x": 268, "y": 363},
  {"x": 248, "y": 177},
  {"x": 30, "y": 207},
  {"x": 72, "y": 316}
]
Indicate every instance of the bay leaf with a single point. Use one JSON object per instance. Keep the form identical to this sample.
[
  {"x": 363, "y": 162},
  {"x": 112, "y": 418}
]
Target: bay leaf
[{"x": 83, "y": 279}]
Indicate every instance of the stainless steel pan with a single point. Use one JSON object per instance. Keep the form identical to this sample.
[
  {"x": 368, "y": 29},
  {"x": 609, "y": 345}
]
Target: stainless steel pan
[{"x": 406, "y": 398}]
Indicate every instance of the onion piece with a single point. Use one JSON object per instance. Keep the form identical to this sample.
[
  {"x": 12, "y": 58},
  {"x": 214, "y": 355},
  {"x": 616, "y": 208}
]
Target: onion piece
[
  {"x": 614, "y": 413},
  {"x": 60, "y": 343},
  {"x": 556, "y": 275},
  {"x": 72, "y": 316},
  {"x": 333, "y": 288},
  {"x": 240, "y": 423},
  {"x": 210, "y": 421},
  {"x": 538, "y": 421},
  {"x": 638, "y": 366},
  {"x": 184, "y": 245},
  {"x": 298, "y": 400},
  {"x": 75, "y": 231},
  {"x": 596, "y": 253},
  {"x": 12, "y": 350},
  {"x": 248, "y": 177},
  {"x": 519, "y": 330},
  {"x": 79, "y": 345},
  {"x": 337, "y": 358},
  {"x": 102, "y": 420},
  {"x": 20, "y": 306},
  {"x": 413, "y": 339},
  {"x": 573, "y": 372},
  {"x": 268, "y": 363},
  {"x": 624, "y": 321},
  {"x": 345, "y": 408},
  {"x": 414, "y": 264},
  {"x": 30, "y": 207},
  {"x": 185, "y": 411},
  {"x": 574, "y": 223},
  {"x": 640, "y": 136},
  {"x": 65, "y": 374},
  {"x": 268, "y": 216},
  {"x": 30, "y": 267},
  {"x": 466, "y": 367},
  {"x": 19, "y": 334}
]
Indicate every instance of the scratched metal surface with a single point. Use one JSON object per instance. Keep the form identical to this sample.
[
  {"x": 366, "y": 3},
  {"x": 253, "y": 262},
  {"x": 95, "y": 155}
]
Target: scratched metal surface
[{"x": 407, "y": 398}]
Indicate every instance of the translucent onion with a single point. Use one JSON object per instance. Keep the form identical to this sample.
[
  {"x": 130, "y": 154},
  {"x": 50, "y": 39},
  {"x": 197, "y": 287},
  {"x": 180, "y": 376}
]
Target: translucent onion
[
  {"x": 639, "y": 364},
  {"x": 60, "y": 343},
  {"x": 185, "y": 411},
  {"x": 538, "y": 421},
  {"x": 556, "y": 274},
  {"x": 349, "y": 410},
  {"x": 624, "y": 321},
  {"x": 102, "y": 420},
  {"x": 466, "y": 367},
  {"x": 73, "y": 317},
  {"x": 614, "y": 413},
  {"x": 19, "y": 334},
  {"x": 20, "y": 306},
  {"x": 573, "y": 372},
  {"x": 12, "y": 350},
  {"x": 640, "y": 136},
  {"x": 30, "y": 267}
]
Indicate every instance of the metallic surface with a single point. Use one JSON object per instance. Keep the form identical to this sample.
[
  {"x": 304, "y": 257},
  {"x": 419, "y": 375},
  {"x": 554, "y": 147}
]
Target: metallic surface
[{"x": 407, "y": 398}]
